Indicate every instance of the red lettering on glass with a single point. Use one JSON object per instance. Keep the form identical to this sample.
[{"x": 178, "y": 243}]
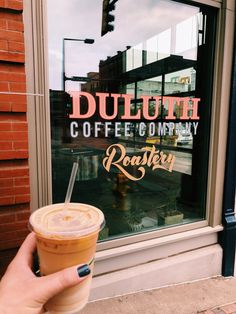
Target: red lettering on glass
[
  {"x": 187, "y": 106},
  {"x": 76, "y": 102}
]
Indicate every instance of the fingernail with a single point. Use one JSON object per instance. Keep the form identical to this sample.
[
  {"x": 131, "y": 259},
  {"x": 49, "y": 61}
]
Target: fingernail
[{"x": 83, "y": 270}]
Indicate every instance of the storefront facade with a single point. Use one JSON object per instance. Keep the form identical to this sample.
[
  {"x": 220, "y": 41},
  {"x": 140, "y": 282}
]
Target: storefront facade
[{"x": 143, "y": 107}]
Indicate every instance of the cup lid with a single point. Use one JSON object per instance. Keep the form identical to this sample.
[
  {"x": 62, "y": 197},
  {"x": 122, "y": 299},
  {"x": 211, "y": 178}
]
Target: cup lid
[{"x": 72, "y": 221}]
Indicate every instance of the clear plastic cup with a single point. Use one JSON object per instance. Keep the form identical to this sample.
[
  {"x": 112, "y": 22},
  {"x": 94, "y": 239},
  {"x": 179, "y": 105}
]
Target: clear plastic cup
[{"x": 67, "y": 237}]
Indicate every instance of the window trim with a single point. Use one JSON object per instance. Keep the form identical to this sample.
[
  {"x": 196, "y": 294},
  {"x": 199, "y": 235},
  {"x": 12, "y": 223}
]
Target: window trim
[
  {"x": 219, "y": 120},
  {"x": 38, "y": 106},
  {"x": 150, "y": 235},
  {"x": 39, "y": 117},
  {"x": 212, "y": 3}
]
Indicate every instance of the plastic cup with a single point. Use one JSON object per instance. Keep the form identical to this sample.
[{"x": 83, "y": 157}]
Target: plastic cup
[{"x": 67, "y": 237}]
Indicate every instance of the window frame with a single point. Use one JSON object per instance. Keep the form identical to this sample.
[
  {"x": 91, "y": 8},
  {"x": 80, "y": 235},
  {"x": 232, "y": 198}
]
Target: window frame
[{"x": 39, "y": 117}]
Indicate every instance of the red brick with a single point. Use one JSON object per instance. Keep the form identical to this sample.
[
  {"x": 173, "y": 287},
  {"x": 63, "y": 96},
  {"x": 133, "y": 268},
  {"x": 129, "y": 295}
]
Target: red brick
[
  {"x": 5, "y": 126},
  {"x": 12, "y": 56},
  {"x": 7, "y": 182},
  {"x": 22, "y": 207},
  {"x": 12, "y": 77},
  {"x": 14, "y": 98},
  {"x": 5, "y": 107},
  {"x": 10, "y": 16},
  {"x": 15, "y": 25},
  {"x": 23, "y": 216},
  {"x": 19, "y": 107},
  {"x": 15, "y": 208},
  {"x": 10, "y": 235},
  {"x": 21, "y": 154},
  {"x": 4, "y": 87},
  {"x": 3, "y": 45},
  {"x": 9, "y": 155},
  {"x": 12, "y": 36},
  {"x": 7, "y": 218},
  {"x": 20, "y": 145},
  {"x": 21, "y": 181},
  {"x": 11, "y": 244},
  {"x": 17, "y": 87},
  {"x": 13, "y": 226},
  {"x": 21, "y": 190},
  {"x": 23, "y": 233},
  {"x": 3, "y": 24},
  {"x": 24, "y": 154},
  {"x": 13, "y": 172},
  {"x": 4, "y": 76},
  {"x": 6, "y": 136},
  {"x": 16, "y": 47},
  {"x": 16, "y": 68},
  {"x": 14, "y": 135},
  {"x": 6, "y": 145},
  {"x": 14, "y": 235},
  {"x": 14, "y": 4},
  {"x": 19, "y": 126},
  {"x": 4, "y": 113},
  {"x": 7, "y": 200},
  {"x": 2, "y": 3},
  {"x": 6, "y": 191},
  {"x": 20, "y": 136},
  {"x": 22, "y": 199},
  {"x": 16, "y": 77},
  {"x": 3, "y": 66}
]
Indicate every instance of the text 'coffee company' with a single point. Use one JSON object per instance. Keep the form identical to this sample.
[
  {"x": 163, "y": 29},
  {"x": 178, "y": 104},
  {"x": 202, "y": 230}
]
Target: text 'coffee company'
[{"x": 115, "y": 122}]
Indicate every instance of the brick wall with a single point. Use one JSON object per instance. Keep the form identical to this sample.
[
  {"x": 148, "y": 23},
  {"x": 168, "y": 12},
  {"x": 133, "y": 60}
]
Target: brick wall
[{"x": 14, "y": 171}]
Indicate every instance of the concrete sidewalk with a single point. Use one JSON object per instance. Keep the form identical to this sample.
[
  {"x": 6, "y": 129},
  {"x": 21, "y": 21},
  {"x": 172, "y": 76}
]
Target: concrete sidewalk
[{"x": 208, "y": 296}]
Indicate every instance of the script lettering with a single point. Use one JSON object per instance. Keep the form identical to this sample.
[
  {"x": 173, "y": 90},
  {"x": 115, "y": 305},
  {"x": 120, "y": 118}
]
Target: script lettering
[{"x": 116, "y": 156}]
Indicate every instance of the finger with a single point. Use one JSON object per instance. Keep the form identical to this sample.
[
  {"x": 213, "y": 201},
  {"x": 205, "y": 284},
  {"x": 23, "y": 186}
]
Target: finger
[
  {"x": 25, "y": 253},
  {"x": 51, "y": 285}
]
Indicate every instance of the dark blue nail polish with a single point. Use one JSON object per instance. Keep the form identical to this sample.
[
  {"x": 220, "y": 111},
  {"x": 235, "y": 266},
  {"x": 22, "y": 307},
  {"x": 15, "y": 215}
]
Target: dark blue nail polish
[{"x": 83, "y": 270}]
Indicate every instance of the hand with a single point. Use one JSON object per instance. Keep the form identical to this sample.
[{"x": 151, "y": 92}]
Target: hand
[{"x": 21, "y": 292}]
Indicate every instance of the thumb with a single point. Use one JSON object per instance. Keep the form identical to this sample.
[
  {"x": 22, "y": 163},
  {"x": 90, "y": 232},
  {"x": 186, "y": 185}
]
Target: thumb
[{"x": 50, "y": 285}]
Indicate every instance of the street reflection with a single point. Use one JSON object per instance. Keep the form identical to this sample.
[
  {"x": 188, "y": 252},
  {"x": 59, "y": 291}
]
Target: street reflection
[{"x": 147, "y": 54}]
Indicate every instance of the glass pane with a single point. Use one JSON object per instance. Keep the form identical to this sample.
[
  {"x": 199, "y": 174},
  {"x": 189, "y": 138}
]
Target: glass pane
[{"x": 132, "y": 107}]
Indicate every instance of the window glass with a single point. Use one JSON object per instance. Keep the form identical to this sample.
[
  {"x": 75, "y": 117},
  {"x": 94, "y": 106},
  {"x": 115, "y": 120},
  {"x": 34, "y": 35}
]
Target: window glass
[{"x": 132, "y": 106}]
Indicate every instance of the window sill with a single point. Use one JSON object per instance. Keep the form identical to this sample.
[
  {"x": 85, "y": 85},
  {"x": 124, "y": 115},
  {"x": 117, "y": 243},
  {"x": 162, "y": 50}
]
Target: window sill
[{"x": 122, "y": 257}]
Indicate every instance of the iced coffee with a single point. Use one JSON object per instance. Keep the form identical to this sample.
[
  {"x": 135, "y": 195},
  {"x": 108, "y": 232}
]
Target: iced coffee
[{"x": 67, "y": 236}]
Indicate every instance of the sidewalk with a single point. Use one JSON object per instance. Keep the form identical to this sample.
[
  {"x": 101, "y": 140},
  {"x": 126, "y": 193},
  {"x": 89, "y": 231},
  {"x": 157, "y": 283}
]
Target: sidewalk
[
  {"x": 226, "y": 309},
  {"x": 208, "y": 296}
]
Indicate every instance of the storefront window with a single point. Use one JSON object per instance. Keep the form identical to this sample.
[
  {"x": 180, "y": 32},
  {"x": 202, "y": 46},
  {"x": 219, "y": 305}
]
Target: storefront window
[{"x": 132, "y": 107}]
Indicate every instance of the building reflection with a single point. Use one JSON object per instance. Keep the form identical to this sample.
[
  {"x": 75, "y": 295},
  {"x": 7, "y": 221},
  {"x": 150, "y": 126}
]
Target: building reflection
[{"x": 161, "y": 198}]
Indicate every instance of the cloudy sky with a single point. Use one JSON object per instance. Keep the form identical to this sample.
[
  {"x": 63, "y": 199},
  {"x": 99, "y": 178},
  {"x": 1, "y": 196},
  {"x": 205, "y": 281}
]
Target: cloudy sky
[{"x": 135, "y": 22}]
